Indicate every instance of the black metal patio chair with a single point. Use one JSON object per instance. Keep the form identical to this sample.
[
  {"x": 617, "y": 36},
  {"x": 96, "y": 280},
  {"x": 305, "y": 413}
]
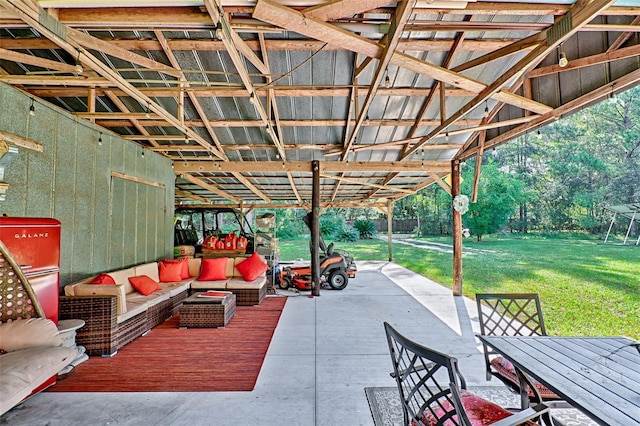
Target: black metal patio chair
[
  {"x": 512, "y": 314},
  {"x": 433, "y": 391}
]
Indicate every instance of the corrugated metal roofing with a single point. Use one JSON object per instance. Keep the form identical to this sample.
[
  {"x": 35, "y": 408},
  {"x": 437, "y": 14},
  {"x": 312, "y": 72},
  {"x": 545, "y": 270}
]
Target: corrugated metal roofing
[{"x": 175, "y": 76}]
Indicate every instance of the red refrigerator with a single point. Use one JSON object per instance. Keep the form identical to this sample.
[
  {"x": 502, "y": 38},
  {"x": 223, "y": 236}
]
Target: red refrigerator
[{"x": 35, "y": 245}]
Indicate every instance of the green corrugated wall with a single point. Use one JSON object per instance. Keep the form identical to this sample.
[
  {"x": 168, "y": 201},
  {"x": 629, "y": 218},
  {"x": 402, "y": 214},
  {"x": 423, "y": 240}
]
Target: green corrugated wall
[{"x": 107, "y": 222}]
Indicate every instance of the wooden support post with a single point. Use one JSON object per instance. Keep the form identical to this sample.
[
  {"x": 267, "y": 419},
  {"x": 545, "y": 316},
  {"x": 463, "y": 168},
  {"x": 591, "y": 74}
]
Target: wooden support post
[
  {"x": 315, "y": 228},
  {"x": 390, "y": 206},
  {"x": 457, "y": 230}
]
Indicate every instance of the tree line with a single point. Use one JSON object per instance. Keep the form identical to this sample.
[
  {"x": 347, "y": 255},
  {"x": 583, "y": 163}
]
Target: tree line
[
  {"x": 553, "y": 179},
  {"x": 556, "y": 178}
]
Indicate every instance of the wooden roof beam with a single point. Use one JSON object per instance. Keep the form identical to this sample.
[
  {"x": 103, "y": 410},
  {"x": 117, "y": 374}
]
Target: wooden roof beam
[
  {"x": 108, "y": 120},
  {"x": 480, "y": 45},
  {"x": 579, "y": 16},
  {"x": 207, "y": 166},
  {"x": 365, "y": 183},
  {"x": 67, "y": 39},
  {"x": 201, "y": 183},
  {"x": 398, "y": 21},
  {"x": 601, "y": 58},
  {"x": 118, "y": 102},
  {"x": 231, "y": 42},
  {"x": 247, "y": 183},
  {"x": 602, "y": 92},
  {"x": 201, "y": 113},
  {"x": 10, "y": 55},
  {"x": 292, "y": 20}
]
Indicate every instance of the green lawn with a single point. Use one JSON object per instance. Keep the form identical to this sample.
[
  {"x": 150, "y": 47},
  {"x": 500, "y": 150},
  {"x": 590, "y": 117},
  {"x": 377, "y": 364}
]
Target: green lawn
[{"x": 586, "y": 288}]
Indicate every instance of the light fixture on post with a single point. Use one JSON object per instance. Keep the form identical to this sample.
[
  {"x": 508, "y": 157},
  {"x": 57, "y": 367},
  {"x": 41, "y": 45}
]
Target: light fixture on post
[
  {"x": 186, "y": 139},
  {"x": 387, "y": 80},
  {"x": 218, "y": 32},
  {"x": 539, "y": 134},
  {"x": 78, "y": 69},
  {"x": 562, "y": 57},
  {"x": 100, "y": 139},
  {"x": 486, "y": 109},
  {"x": 142, "y": 153},
  {"x": 612, "y": 96},
  {"x": 32, "y": 109},
  {"x": 446, "y": 136}
]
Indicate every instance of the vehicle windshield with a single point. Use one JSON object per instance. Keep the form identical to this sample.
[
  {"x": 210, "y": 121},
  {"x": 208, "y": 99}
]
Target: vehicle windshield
[{"x": 193, "y": 225}]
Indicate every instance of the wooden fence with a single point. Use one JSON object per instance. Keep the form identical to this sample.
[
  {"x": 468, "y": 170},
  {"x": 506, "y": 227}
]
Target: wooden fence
[{"x": 401, "y": 226}]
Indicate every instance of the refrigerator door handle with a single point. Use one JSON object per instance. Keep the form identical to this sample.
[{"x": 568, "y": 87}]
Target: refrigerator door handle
[{"x": 25, "y": 266}]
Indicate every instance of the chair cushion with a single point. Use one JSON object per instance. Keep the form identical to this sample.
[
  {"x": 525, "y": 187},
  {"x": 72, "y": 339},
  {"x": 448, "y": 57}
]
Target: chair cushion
[
  {"x": 506, "y": 370},
  {"x": 480, "y": 411}
]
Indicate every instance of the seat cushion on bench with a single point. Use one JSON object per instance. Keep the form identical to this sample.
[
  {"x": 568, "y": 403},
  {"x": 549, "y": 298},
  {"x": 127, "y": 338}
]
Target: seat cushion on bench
[{"x": 117, "y": 290}]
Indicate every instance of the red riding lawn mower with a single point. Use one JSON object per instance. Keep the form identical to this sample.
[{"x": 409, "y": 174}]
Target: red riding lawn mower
[{"x": 336, "y": 267}]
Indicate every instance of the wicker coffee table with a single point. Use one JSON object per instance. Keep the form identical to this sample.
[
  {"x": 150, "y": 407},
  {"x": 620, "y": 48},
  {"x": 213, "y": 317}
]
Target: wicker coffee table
[{"x": 208, "y": 309}]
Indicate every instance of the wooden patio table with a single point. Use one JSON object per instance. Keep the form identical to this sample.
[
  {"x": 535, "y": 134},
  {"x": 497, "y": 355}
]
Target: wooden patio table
[{"x": 598, "y": 375}]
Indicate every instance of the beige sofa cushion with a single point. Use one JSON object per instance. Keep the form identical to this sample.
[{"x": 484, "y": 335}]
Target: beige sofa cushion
[
  {"x": 122, "y": 277},
  {"x": 149, "y": 269},
  {"x": 209, "y": 285},
  {"x": 117, "y": 290},
  {"x": 31, "y": 333},
  {"x": 238, "y": 284},
  {"x": 21, "y": 372}
]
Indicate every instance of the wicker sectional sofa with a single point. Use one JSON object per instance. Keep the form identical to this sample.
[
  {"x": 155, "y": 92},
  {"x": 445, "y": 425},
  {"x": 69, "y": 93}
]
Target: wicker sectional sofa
[{"x": 115, "y": 315}]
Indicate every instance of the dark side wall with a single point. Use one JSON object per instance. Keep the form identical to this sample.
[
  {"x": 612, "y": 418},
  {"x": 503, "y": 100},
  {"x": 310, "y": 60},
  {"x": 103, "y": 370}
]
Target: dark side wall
[{"x": 115, "y": 206}]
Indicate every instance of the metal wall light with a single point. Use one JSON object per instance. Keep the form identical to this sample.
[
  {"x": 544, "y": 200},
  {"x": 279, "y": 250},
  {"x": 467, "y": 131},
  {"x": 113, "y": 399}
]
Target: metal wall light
[
  {"x": 147, "y": 113},
  {"x": 486, "y": 109},
  {"x": 100, "y": 139},
  {"x": 32, "y": 109},
  {"x": 539, "y": 134},
  {"x": 387, "y": 80}
]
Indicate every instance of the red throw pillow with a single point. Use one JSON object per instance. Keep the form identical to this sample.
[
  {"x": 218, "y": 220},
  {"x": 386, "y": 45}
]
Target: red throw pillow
[
  {"x": 144, "y": 284},
  {"x": 213, "y": 269},
  {"x": 185, "y": 266},
  {"x": 252, "y": 267},
  {"x": 169, "y": 272},
  {"x": 103, "y": 279}
]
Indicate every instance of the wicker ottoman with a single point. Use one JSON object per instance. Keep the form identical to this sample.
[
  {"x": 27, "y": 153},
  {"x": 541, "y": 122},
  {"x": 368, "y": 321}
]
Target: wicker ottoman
[{"x": 209, "y": 309}]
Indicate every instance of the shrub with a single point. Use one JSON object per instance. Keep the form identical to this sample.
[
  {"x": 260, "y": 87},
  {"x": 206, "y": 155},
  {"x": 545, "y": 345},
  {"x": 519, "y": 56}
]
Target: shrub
[
  {"x": 347, "y": 233},
  {"x": 331, "y": 225},
  {"x": 366, "y": 228}
]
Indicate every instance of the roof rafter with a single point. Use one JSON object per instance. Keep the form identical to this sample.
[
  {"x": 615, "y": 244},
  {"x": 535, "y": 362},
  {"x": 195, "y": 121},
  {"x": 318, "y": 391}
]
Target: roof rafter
[{"x": 293, "y": 20}]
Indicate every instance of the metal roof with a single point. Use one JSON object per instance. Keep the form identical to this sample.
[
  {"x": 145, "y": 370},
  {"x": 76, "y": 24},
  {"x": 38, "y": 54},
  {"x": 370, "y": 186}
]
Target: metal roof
[{"x": 243, "y": 95}]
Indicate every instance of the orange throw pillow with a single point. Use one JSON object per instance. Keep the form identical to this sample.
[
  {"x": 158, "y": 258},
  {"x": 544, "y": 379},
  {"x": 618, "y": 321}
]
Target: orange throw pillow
[
  {"x": 169, "y": 272},
  {"x": 144, "y": 284},
  {"x": 103, "y": 279},
  {"x": 213, "y": 269},
  {"x": 252, "y": 267},
  {"x": 185, "y": 266}
]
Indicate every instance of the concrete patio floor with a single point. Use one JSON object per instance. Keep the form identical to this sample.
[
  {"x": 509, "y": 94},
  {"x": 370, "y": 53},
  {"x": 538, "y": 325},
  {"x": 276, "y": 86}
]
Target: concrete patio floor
[{"x": 324, "y": 352}]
